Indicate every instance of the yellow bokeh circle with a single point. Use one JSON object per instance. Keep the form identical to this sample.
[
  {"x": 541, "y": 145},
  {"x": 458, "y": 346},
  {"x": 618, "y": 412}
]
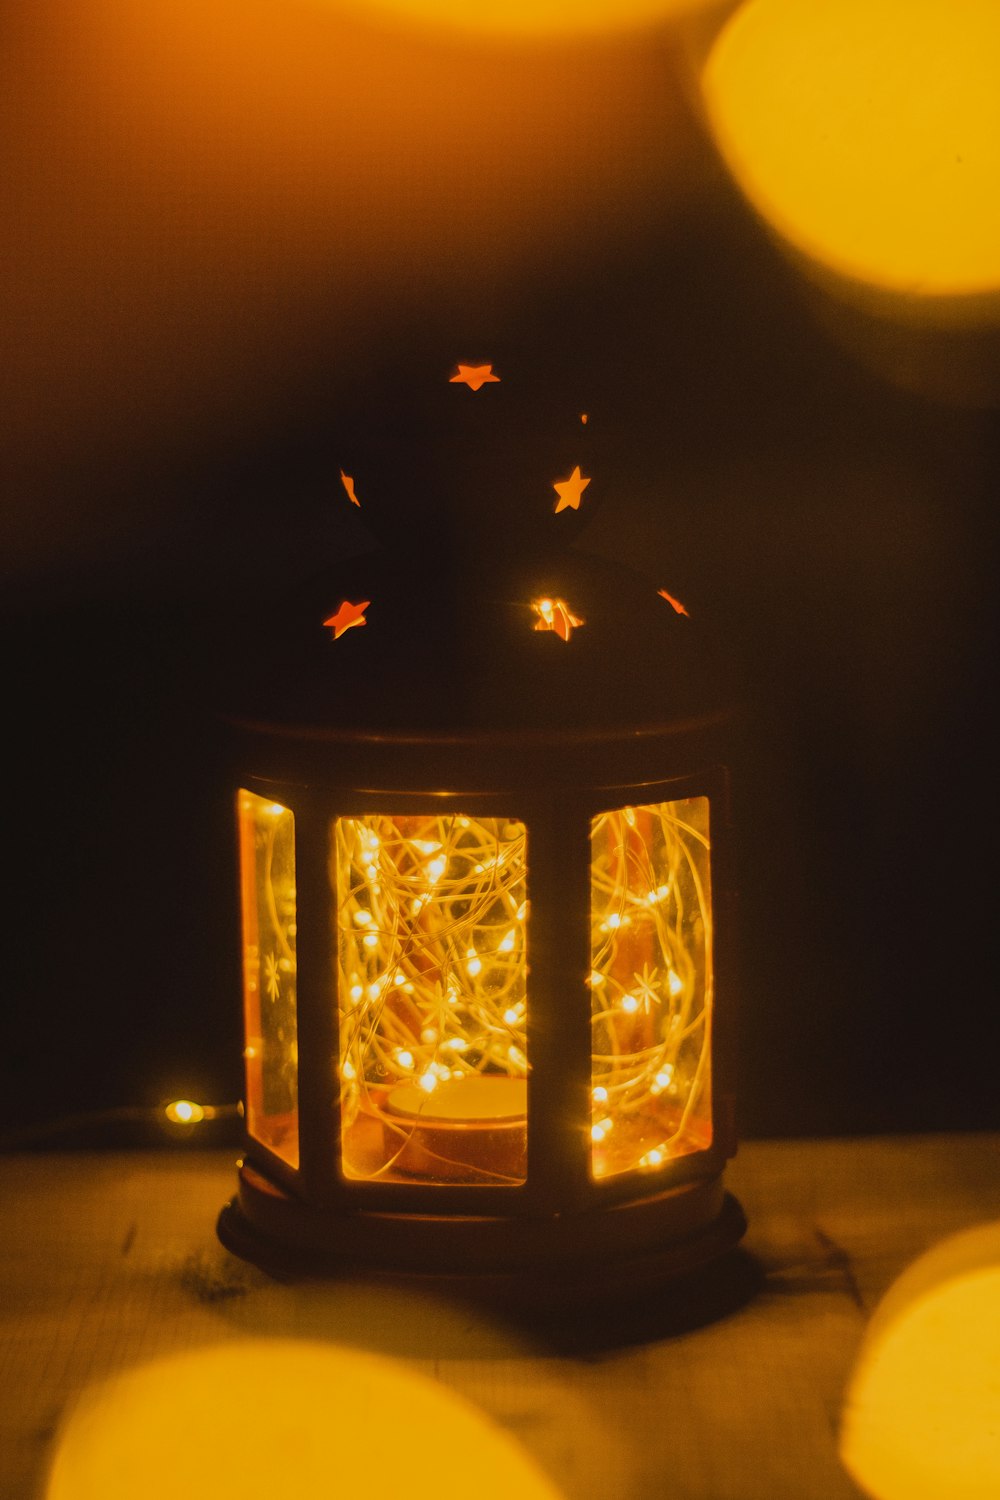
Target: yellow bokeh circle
[
  {"x": 257, "y": 1419},
  {"x": 867, "y": 133}
]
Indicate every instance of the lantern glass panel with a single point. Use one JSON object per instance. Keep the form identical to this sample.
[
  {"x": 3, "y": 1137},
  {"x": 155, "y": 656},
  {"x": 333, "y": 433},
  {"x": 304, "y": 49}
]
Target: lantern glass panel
[
  {"x": 267, "y": 877},
  {"x": 432, "y": 965},
  {"x": 651, "y": 985}
]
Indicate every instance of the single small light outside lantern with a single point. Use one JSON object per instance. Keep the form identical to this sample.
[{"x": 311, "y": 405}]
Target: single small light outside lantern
[{"x": 486, "y": 886}]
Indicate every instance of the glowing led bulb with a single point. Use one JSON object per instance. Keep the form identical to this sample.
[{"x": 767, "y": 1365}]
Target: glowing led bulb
[
  {"x": 507, "y": 942},
  {"x": 362, "y": 917},
  {"x": 436, "y": 869},
  {"x": 675, "y": 983},
  {"x": 184, "y": 1112},
  {"x": 405, "y": 1059},
  {"x": 428, "y": 1081},
  {"x": 474, "y": 964},
  {"x": 600, "y": 1094},
  {"x": 663, "y": 1080},
  {"x": 630, "y": 1004}
]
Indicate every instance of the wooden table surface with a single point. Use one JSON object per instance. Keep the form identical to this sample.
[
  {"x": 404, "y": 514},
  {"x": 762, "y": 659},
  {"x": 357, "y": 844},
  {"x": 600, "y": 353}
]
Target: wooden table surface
[{"x": 110, "y": 1260}]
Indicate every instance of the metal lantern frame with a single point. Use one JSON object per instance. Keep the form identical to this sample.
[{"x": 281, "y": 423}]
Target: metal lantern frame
[{"x": 560, "y": 1226}]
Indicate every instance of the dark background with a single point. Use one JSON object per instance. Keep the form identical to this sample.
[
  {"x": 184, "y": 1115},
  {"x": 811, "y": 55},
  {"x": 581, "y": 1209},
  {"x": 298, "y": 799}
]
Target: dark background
[{"x": 216, "y": 229}]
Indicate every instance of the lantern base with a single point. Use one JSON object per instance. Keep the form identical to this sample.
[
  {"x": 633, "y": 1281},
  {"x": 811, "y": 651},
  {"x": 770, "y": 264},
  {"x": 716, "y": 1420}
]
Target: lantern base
[{"x": 537, "y": 1263}]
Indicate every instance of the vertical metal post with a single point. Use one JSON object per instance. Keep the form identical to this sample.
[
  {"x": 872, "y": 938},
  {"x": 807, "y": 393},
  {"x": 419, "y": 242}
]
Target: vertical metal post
[
  {"x": 319, "y": 1113},
  {"x": 559, "y": 1005}
]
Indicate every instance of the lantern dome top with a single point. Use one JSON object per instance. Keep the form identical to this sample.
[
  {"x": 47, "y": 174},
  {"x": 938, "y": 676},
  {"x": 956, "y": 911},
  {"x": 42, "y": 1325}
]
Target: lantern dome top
[
  {"x": 477, "y": 614},
  {"x": 421, "y": 641}
]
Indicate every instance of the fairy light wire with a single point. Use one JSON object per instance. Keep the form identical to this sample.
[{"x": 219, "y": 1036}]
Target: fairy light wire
[
  {"x": 432, "y": 933},
  {"x": 431, "y": 956}
]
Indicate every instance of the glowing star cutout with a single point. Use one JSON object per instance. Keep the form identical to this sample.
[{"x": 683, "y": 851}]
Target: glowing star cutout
[
  {"x": 569, "y": 490},
  {"x": 474, "y": 376},
  {"x": 675, "y": 604},
  {"x": 347, "y": 615},
  {"x": 555, "y": 614},
  {"x": 348, "y": 483}
]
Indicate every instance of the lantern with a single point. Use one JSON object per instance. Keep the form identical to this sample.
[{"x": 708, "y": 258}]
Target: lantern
[{"x": 483, "y": 808}]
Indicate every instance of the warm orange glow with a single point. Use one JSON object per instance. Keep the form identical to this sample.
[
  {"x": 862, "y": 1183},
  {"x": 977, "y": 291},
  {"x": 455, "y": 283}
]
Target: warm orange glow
[
  {"x": 334, "y": 1421},
  {"x": 920, "y": 1416},
  {"x": 347, "y": 616},
  {"x": 675, "y": 604},
  {"x": 184, "y": 1112},
  {"x": 475, "y": 376},
  {"x": 541, "y": 16},
  {"x": 348, "y": 483},
  {"x": 651, "y": 985},
  {"x": 570, "y": 490},
  {"x": 305, "y": 159},
  {"x": 555, "y": 614},
  {"x": 268, "y": 909},
  {"x": 867, "y": 132},
  {"x": 432, "y": 976},
  {"x": 537, "y": 17}
]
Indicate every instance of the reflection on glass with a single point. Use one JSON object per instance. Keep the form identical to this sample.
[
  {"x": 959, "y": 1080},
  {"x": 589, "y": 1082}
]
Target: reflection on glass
[
  {"x": 651, "y": 985},
  {"x": 432, "y": 917},
  {"x": 267, "y": 878}
]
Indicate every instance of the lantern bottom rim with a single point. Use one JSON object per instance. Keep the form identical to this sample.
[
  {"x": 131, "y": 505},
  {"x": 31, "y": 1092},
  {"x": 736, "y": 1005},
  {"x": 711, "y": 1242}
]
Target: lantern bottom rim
[{"x": 299, "y": 1243}]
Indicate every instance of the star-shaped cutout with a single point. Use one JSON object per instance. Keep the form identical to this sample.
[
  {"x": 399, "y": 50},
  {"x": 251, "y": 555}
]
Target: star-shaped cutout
[
  {"x": 348, "y": 614},
  {"x": 555, "y": 614},
  {"x": 675, "y": 604},
  {"x": 474, "y": 376},
  {"x": 348, "y": 483},
  {"x": 569, "y": 490}
]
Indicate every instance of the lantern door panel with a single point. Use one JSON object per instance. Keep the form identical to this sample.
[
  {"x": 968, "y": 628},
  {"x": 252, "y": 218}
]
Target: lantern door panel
[
  {"x": 267, "y": 878},
  {"x": 432, "y": 998},
  {"x": 651, "y": 985}
]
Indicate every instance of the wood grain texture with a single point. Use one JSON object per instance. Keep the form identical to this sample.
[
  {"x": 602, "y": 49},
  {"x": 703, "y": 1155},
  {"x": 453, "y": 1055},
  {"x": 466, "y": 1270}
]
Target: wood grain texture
[{"x": 111, "y": 1260}]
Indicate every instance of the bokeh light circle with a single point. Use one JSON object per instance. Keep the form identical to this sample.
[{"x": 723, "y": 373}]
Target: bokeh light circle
[{"x": 256, "y": 1419}]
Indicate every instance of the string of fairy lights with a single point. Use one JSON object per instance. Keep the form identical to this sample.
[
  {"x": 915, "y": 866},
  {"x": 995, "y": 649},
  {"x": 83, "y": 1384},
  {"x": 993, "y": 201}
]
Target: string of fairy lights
[
  {"x": 433, "y": 935},
  {"x": 432, "y": 955},
  {"x": 651, "y": 983}
]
